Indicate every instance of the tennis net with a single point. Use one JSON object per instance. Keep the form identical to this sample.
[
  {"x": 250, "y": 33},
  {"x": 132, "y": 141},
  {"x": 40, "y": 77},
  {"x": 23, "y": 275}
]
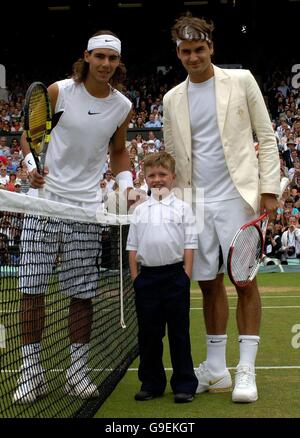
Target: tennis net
[{"x": 48, "y": 251}]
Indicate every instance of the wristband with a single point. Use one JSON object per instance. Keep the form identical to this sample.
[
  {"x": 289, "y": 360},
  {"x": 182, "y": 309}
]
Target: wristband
[
  {"x": 30, "y": 162},
  {"x": 124, "y": 180}
]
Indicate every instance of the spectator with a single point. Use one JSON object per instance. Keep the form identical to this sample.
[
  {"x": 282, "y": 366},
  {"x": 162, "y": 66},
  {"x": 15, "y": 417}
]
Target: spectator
[
  {"x": 283, "y": 88},
  {"x": 15, "y": 146},
  {"x": 22, "y": 175},
  {"x": 151, "y": 136},
  {"x": 151, "y": 147},
  {"x": 139, "y": 139},
  {"x": 10, "y": 185},
  {"x": 18, "y": 186},
  {"x": 152, "y": 123},
  {"x": 15, "y": 159},
  {"x": 103, "y": 191},
  {"x": 110, "y": 181},
  {"x": 139, "y": 123},
  {"x": 290, "y": 239},
  {"x": 142, "y": 180},
  {"x": 4, "y": 177},
  {"x": 4, "y": 148},
  {"x": 272, "y": 242},
  {"x": 4, "y": 253}
]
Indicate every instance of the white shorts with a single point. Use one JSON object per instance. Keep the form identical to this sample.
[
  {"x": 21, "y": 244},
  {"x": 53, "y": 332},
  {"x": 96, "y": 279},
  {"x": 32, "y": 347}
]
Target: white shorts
[
  {"x": 72, "y": 249},
  {"x": 222, "y": 219}
]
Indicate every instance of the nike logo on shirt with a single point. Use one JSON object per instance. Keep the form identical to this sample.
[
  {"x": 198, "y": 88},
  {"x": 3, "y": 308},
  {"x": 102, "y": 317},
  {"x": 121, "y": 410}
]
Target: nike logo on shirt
[
  {"x": 108, "y": 41},
  {"x": 91, "y": 114}
]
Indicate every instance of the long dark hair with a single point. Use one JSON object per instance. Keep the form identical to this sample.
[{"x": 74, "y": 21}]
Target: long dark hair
[{"x": 80, "y": 68}]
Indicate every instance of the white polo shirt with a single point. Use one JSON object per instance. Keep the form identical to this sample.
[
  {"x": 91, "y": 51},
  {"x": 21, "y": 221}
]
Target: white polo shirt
[{"x": 160, "y": 231}]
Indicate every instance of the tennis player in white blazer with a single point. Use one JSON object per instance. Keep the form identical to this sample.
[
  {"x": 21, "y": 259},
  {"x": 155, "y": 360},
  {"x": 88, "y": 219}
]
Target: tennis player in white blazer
[{"x": 209, "y": 121}]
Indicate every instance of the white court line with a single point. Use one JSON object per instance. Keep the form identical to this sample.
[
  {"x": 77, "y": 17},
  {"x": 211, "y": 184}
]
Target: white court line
[
  {"x": 263, "y": 307},
  {"x": 263, "y": 297},
  {"x": 192, "y": 308},
  {"x": 56, "y": 311},
  {"x": 289, "y": 367},
  {"x": 58, "y": 370},
  {"x": 192, "y": 298}
]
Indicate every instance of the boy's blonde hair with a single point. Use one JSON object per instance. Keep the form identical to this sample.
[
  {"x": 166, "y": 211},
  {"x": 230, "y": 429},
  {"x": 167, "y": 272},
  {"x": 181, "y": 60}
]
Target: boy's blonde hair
[{"x": 160, "y": 159}]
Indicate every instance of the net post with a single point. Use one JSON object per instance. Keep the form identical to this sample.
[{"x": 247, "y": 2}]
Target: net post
[{"x": 122, "y": 322}]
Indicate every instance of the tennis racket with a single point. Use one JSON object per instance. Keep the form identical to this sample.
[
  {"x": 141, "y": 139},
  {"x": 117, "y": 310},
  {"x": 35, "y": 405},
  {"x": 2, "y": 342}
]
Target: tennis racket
[
  {"x": 246, "y": 249},
  {"x": 37, "y": 122}
]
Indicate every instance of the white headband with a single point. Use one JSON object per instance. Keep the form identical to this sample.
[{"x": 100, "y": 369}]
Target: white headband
[
  {"x": 191, "y": 34},
  {"x": 104, "y": 42}
]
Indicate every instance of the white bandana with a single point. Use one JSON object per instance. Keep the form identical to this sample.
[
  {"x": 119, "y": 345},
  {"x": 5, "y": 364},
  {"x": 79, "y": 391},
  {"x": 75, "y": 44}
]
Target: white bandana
[
  {"x": 104, "y": 42},
  {"x": 191, "y": 34}
]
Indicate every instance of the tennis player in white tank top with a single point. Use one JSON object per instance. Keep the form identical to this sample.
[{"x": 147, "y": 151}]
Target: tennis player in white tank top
[{"x": 93, "y": 117}]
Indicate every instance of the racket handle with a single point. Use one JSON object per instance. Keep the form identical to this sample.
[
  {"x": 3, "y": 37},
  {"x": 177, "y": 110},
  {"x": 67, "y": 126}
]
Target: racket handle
[
  {"x": 254, "y": 273},
  {"x": 42, "y": 159},
  {"x": 41, "y": 193},
  {"x": 283, "y": 184}
]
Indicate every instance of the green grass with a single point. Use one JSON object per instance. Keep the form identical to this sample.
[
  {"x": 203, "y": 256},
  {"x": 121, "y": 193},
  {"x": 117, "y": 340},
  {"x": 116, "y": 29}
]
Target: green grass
[
  {"x": 279, "y": 389},
  {"x": 275, "y": 279},
  {"x": 279, "y": 398},
  {"x": 109, "y": 345}
]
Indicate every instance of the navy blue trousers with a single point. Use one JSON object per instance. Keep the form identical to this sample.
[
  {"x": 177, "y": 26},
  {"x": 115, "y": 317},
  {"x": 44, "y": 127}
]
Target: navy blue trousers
[{"x": 162, "y": 296}]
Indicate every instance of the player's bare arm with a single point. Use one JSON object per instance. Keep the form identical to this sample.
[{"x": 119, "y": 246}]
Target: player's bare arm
[{"x": 119, "y": 156}]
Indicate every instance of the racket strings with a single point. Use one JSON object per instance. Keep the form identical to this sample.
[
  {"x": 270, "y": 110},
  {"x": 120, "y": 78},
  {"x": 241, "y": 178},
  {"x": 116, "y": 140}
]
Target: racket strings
[
  {"x": 37, "y": 115},
  {"x": 247, "y": 254}
]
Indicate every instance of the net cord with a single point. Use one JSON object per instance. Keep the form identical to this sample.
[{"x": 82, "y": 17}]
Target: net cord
[{"x": 20, "y": 203}]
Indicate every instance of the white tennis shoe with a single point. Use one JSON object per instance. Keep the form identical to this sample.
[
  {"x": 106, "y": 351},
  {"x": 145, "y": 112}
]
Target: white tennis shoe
[
  {"x": 245, "y": 390},
  {"x": 79, "y": 384},
  {"x": 212, "y": 383},
  {"x": 31, "y": 386}
]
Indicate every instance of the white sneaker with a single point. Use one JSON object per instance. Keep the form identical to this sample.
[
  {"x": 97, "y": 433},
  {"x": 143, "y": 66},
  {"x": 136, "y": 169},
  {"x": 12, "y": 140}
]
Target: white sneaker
[
  {"x": 79, "y": 384},
  {"x": 212, "y": 383},
  {"x": 245, "y": 390},
  {"x": 31, "y": 386}
]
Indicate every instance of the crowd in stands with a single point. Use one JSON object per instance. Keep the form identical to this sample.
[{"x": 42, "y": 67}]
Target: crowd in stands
[{"x": 283, "y": 102}]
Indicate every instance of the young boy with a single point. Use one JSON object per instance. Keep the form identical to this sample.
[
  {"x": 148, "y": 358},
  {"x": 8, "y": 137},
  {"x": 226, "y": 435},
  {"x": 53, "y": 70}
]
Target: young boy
[{"x": 162, "y": 238}]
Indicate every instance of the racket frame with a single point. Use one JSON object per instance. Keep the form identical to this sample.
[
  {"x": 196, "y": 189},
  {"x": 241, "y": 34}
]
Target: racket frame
[
  {"x": 263, "y": 218},
  {"x": 261, "y": 229},
  {"x": 41, "y": 157}
]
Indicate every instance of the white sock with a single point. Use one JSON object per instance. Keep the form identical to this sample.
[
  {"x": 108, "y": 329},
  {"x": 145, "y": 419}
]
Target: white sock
[
  {"x": 216, "y": 353},
  {"x": 79, "y": 356},
  {"x": 248, "y": 349},
  {"x": 31, "y": 355}
]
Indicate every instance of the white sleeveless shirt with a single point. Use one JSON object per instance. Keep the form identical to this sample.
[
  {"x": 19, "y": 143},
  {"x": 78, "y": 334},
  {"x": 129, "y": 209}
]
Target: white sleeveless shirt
[{"x": 79, "y": 142}]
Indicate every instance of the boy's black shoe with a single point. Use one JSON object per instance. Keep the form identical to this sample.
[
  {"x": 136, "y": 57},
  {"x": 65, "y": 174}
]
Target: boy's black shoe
[
  {"x": 182, "y": 397},
  {"x": 145, "y": 395}
]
